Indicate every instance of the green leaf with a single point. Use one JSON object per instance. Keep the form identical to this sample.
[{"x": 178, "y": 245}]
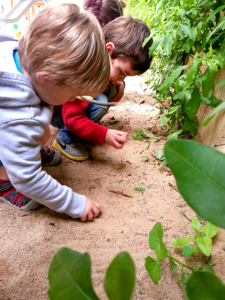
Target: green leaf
[
  {"x": 161, "y": 252},
  {"x": 190, "y": 125},
  {"x": 173, "y": 266},
  {"x": 146, "y": 40},
  {"x": 217, "y": 28},
  {"x": 220, "y": 8},
  {"x": 120, "y": 278},
  {"x": 216, "y": 110},
  {"x": 155, "y": 236},
  {"x": 196, "y": 226},
  {"x": 182, "y": 242},
  {"x": 174, "y": 135},
  {"x": 205, "y": 244},
  {"x": 139, "y": 189},
  {"x": 70, "y": 276},
  {"x": 191, "y": 108},
  {"x": 199, "y": 173},
  {"x": 168, "y": 41},
  {"x": 155, "y": 45},
  {"x": 163, "y": 88},
  {"x": 159, "y": 4},
  {"x": 208, "y": 268},
  {"x": 146, "y": 158},
  {"x": 210, "y": 230},
  {"x": 192, "y": 73},
  {"x": 187, "y": 251},
  {"x": 173, "y": 110},
  {"x": 153, "y": 268},
  {"x": 208, "y": 79},
  {"x": 205, "y": 286},
  {"x": 164, "y": 121},
  {"x": 187, "y": 30}
]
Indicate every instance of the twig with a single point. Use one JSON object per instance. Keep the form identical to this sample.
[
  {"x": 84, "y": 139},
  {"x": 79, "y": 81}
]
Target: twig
[
  {"x": 214, "y": 146},
  {"x": 173, "y": 187},
  {"x": 185, "y": 216},
  {"x": 120, "y": 193}
]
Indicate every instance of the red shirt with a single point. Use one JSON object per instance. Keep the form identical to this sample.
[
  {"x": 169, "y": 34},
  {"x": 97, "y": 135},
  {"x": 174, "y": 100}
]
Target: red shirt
[{"x": 76, "y": 120}]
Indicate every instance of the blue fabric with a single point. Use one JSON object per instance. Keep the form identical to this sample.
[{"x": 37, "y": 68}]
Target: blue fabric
[
  {"x": 1, "y": 164},
  {"x": 17, "y": 62},
  {"x": 94, "y": 112}
]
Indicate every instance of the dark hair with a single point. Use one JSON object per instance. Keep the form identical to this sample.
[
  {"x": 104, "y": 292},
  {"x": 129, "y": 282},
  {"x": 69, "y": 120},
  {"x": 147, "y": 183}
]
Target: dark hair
[
  {"x": 105, "y": 11},
  {"x": 127, "y": 35}
]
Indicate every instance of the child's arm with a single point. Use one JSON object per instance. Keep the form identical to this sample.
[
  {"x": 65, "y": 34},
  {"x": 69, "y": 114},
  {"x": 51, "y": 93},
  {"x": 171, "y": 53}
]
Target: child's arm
[
  {"x": 76, "y": 120},
  {"x": 120, "y": 86},
  {"x": 20, "y": 154},
  {"x": 116, "y": 138}
]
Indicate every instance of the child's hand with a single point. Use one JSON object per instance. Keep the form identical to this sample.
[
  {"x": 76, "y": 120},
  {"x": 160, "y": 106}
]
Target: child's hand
[
  {"x": 120, "y": 93},
  {"x": 92, "y": 210},
  {"x": 116, "y": 138}
]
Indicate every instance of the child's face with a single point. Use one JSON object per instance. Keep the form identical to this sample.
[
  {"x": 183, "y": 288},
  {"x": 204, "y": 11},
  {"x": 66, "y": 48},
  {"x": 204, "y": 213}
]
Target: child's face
[
  {"x": 120, "y": 69},
  {"x": 56, "y": 95}
]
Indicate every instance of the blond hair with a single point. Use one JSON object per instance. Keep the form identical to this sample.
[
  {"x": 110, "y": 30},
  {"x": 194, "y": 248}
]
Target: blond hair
[{"x": 67, "y": 48}]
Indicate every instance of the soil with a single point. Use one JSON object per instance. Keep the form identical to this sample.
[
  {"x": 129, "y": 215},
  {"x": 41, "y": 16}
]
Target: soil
[{"x": 30, "y": 239}]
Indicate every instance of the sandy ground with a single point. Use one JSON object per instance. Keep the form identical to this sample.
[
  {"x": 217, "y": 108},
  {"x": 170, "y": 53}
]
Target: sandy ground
[{"x": 29, "y": 240}]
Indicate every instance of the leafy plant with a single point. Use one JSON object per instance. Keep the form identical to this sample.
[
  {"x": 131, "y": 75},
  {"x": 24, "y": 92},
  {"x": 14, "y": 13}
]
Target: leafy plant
[
  {"x": 188, "y": 35},
  {"x": 145, "y": 159},
  {"x": 140, "y": 135},
  {"x": 204, "y": 239},
  {"x": 70, "y": 277},
  {"x": 189, "y": 282}
]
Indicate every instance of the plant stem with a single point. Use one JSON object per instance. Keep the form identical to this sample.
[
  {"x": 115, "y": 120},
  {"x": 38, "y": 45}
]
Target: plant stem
[{"x": 183, "y": 265}]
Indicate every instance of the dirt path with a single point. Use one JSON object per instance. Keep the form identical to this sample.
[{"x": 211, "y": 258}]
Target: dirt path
[{"x": 29, "y": 240}]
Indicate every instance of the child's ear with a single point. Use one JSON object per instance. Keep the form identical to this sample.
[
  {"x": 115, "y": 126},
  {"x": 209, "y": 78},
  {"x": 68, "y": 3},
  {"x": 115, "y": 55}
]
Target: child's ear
[
  {"x": 40, "y": 79},
  {"x": 110, "y": 47}
]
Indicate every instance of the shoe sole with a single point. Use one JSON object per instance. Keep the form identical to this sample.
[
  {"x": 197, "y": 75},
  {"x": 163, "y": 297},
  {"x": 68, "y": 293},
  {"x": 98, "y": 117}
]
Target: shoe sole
[
  {"x": 32, "y": 205},
  {"x": 76, "y": 158}
]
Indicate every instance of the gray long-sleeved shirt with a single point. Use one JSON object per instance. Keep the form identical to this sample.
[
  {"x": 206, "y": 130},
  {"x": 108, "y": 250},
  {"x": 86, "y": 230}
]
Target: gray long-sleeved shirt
[{"x": 23, "y": 120}]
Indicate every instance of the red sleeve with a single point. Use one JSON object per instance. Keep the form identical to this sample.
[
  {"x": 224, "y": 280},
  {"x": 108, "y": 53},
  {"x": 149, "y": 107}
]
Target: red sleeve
[{"x": 76, "y": 120}]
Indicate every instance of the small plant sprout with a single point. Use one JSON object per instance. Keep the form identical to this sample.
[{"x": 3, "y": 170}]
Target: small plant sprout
[
  {"x": 145, "y": 159},
  {"x": 161, "y": 157},
  {"x": 140, "y": 135},
  {"x": 139, "y": 189},
  {"x": 187, "y": 280}
]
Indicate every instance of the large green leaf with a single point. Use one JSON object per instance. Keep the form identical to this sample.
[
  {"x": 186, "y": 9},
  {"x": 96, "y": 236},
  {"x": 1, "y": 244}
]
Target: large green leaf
[
  {"x": 155, "y": 236},
  {"x": 164, "y": 121},
  {"x": 216, "y": 110},
  {"x": 210, "y": 229},
  {"x": 191, "y": 74},
  {"x": 153, "y": 268},
  {"x": 70, "y": 276},
  {"x": 205, "y": 286},
  {"x": 120, "y": 277},
  {"x": 205, "y": 244},
  {"x": 182, "y": 242},
  {"x": 199, "y": 172},
  {"x": 187, "y": 30},
  {"x": 187, "y": 251}
]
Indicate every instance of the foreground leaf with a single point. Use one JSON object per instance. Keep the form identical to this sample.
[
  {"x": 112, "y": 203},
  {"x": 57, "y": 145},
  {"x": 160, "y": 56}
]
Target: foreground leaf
[
  {"x": 70, "y": 276},
  {"x": 120, "y": 278},
  {"x": 205, "y": 244},
  {"x": 161, "y": 252},
  {"x": 199, "y": 172},
  {"x": 153, "y": 268},
  {"x": 187, "y": 251},
  {"x": 205, "y": 286}
]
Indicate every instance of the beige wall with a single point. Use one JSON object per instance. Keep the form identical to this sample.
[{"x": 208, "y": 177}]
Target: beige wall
[{"x": 212, "y": 134}]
